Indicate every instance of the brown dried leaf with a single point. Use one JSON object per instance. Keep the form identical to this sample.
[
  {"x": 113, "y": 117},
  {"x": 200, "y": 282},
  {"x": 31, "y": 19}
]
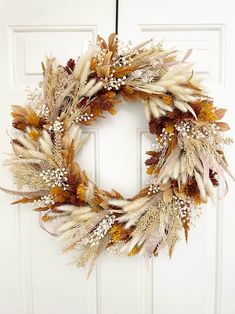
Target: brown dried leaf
[
  {"x": 102, "y": 42},
  {"x": 115, "y": 194},
  {"x": 107, "y": 58},
  {"x": 129, "y": 94},
  {"x": 103, "y": 71},
  {"x": 46, "y": 218},
  {"x": 220, "y": 113},
  {"x": 24, "y": 200},
  {"x": 167, "y": 196},
  {"x": 69, "y": 157},
  {"x": 41, "y": 209},
  {"x": 179, "y": 194},
  {"x": 32, "y": 118},
  {"x": 59, "y": 194},
  {"x": 104, "y": 204},
  {"x": 165, "y": 186},
  {"x": 112, "y": 42},
  {"x": 223, "y": 127}
]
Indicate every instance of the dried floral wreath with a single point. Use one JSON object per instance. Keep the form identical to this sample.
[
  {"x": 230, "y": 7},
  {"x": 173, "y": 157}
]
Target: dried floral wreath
[{"x": 184, "y": 165}]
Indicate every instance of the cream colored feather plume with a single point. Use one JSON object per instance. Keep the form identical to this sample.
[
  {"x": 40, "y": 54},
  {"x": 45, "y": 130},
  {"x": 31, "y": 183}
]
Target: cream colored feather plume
[
  {"x": 21, "y": 152},
  {"x": 25, "y": 142},
  {"x": 200, "y": 185},
  {"x": 81, "y": 64}
]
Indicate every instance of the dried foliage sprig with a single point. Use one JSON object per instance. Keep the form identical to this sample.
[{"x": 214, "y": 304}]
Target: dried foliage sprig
[{"x": 184, "y": 165}]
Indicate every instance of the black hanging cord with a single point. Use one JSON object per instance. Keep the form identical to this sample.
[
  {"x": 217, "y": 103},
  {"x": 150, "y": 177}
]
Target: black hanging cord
[{"x": 116, "y": 18}]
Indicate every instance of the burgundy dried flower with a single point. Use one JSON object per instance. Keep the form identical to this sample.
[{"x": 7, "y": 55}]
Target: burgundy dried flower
[
  {"x": 151, "y": 161},
  {"x": 213, "y": 178},
  {"x": 106, "y": 105},
  {"x": 154, "y": 126},
  {"x": 70, "y": 66}
]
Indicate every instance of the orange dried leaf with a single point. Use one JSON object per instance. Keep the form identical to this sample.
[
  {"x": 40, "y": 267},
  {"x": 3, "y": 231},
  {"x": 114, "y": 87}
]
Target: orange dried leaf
[
  {"x": 81, "y": 192},
  {"x": 25, "y": 200},
  {"x": 41, "y": 209},
  {"x": 93, "y": 64},
  {"x": 59, "y": 194},
  {"x": 118, "y": 233},
  {"x": 198, "y": 200},
  {"x": 34, "y": 134},
  {"x": 150, "y": 170},
  {"x": 135, "y": 250},
  {"x": 170, "y": 128},
  {"x": 112, "y": 110},
  {"x": 115, "y": 194},
  {"x": 46, "y": 218},
  {"x": 129, "y": 94},
  {"x": 123, "y": 71},
  {"x": 167, "y": 100},
  {"x": 32, "y": 119},
  {"x": 207, "y": 112},
  {"x": 69, "y": 157}
]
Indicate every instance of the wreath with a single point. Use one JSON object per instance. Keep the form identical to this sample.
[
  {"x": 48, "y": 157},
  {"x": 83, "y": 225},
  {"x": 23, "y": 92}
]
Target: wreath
[{"x": 184, "y": 164}]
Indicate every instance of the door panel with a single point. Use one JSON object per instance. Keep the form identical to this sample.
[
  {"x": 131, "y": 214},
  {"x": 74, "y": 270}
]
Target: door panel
[
  {"x": 198, "y": 279},
  {"x": 35, "y": 277}
]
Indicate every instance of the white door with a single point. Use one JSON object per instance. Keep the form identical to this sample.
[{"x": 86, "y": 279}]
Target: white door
[
  {"x": 35, "y": 278},
  {"x": 200, "y": 276}
]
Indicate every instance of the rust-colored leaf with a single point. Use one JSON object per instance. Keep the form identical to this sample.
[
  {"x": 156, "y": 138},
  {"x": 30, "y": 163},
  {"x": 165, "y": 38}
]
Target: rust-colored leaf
[
  {"x": 41, "y": 209},
  {"x": 25, "y": 200},
  {"x": 59, "y": 194}
]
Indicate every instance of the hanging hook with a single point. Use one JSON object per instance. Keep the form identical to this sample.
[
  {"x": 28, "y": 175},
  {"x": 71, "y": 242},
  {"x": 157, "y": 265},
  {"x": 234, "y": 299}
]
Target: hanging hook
[{"x": 116, "y": 18}]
